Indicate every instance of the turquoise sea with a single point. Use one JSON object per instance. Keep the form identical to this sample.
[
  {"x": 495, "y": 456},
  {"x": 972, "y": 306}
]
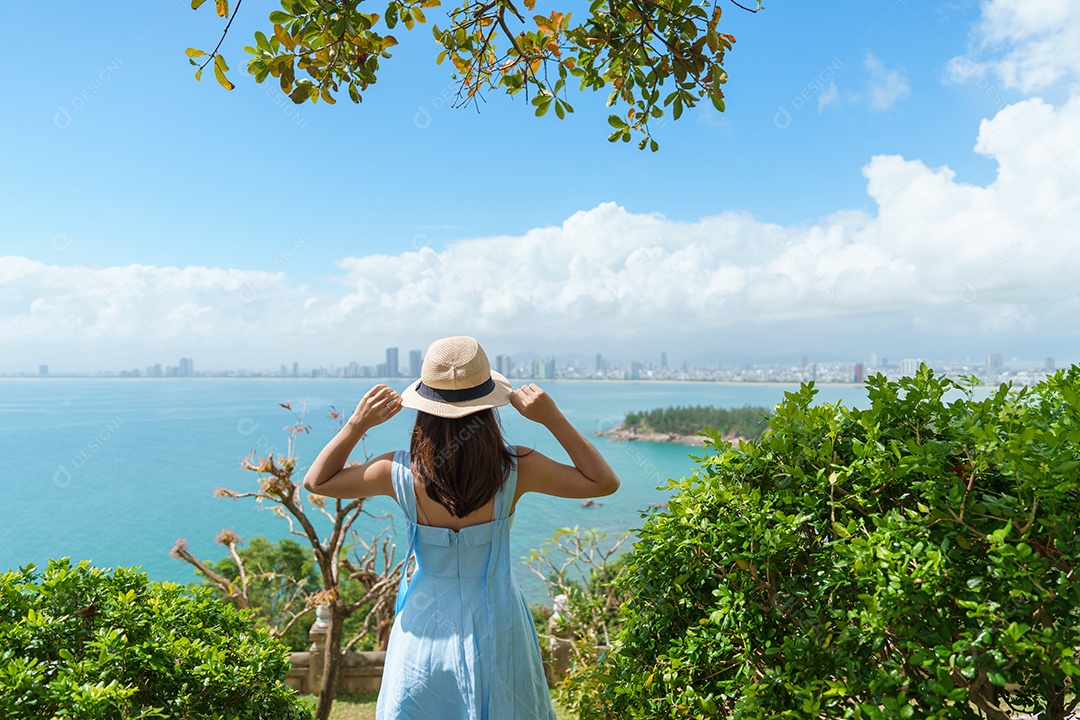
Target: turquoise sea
[{"x": 115, "y": 470}]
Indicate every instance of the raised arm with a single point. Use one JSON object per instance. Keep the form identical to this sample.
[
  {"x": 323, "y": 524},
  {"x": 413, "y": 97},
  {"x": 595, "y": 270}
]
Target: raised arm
[
  {"x": 328, "y": 474},
  {"x": 589, "y": 476}
]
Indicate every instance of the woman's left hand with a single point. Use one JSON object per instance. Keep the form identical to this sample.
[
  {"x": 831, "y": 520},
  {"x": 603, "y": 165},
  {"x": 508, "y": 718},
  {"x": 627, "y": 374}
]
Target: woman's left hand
[{"x": 378, "y": 405}]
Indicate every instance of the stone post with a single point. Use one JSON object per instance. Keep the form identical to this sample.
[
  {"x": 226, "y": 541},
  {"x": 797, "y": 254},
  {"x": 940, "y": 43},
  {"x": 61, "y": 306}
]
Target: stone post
[
  {"x": 317, "y": 649},
  {"x": 560, "y": 642}
]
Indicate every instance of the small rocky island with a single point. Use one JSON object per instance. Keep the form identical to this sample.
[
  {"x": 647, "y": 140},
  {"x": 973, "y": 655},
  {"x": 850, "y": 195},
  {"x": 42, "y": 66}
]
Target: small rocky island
[{"x": 684, "y": 424}]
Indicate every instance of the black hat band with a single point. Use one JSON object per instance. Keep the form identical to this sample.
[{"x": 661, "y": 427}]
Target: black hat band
[{"x": 451, "y": 396}]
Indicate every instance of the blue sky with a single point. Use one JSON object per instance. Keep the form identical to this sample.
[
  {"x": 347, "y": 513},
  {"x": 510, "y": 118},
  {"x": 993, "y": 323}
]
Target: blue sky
[{"x": 856, "y": 197}]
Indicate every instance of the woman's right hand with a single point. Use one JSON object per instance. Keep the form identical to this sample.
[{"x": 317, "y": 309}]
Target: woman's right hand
[
  {"x": 535, "y": 404},
  {"x": 378, "y": 405}
]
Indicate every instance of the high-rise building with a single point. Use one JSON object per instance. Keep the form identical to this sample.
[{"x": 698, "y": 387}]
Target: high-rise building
[
  {"x": 549, "y": 369},
  {"x": 392, "y": 362},
  {"x": 416, "y": 361},
  {"x": 186, "y": 368},
  {"x": 910, "y": 366},
  {"x": 534, "y": 368},
  {"x": 599, "y": 362},
  {"x": 382, "y": 370},
  {"x": 663, "y": 360},
  {"x": 995, "y": 361},
  {"x": 504, "y": 365},
  {"x": 860, "y": 373},
  {"x": 43, "y": 370},
  {"x": 296, "y": 369},
  {"x": 1050, "y": 365}
]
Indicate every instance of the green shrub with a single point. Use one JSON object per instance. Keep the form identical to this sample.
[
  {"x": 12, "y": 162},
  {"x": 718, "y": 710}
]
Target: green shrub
[
  {"x": 914, "y": 559},
  {"x": 81, "y": 642}
]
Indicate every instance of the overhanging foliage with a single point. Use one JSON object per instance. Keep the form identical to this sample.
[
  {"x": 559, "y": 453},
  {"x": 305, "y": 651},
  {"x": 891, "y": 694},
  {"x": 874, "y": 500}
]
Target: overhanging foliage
[{"x": 650, "y": 56}]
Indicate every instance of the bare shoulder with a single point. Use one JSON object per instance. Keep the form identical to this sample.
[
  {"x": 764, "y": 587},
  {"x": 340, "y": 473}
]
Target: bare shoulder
[
  {"x": 539, "y": 473},
  {"x": 367, "y": 479},
  {"x": 382, "y": 473}
]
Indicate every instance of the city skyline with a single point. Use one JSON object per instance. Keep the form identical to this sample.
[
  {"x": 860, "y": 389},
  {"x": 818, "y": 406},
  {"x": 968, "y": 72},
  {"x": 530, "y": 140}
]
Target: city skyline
[{"x": 525, "y": 366}]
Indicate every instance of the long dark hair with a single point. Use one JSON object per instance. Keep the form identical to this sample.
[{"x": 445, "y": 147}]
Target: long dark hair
[{"x": 461, "y": 461}]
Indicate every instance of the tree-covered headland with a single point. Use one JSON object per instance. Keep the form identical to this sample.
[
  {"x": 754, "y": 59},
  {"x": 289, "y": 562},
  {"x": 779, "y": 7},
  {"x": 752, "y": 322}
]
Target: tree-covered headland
[{"x": 745, "y": 422}]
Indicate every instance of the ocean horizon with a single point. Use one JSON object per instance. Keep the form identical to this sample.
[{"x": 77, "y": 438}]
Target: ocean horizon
[{"x": 115, "y": 470}]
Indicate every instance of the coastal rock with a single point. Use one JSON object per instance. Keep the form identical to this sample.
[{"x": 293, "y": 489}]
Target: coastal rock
[{"x": 621, "y": 433}]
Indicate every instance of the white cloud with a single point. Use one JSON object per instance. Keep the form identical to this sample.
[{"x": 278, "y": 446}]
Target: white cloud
[
  {"x": 940, "y": 264},
  {"x": 1031, "y": 45},
  {"x": 885, "y": 87}
]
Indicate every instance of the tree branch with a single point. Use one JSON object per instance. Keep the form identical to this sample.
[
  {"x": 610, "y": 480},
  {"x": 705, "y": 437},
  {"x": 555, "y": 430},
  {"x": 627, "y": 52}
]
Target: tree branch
[
  {"x": 213, "y": 53},
  {"x": 220, "y": 581}
]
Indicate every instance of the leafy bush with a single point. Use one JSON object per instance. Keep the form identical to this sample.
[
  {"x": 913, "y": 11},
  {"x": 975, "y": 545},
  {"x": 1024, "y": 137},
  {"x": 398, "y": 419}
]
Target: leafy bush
[
  {"x": 80, "y": 642},
  {"x": 914, "y": 559}
]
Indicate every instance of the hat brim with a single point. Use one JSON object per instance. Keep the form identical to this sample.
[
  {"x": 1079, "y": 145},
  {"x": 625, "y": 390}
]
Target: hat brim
[{"x": 496, "y": 398}]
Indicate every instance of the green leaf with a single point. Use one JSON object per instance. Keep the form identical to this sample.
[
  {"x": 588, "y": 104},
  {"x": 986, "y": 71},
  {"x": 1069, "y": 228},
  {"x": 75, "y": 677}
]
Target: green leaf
[
  {"x": 280, "y": 18},
  {"x": 301, "y": 92},
  {"x": 1000, "y": 534},
  {"x": 222, "y": 80},
  {"x": 194, "y": 52}
]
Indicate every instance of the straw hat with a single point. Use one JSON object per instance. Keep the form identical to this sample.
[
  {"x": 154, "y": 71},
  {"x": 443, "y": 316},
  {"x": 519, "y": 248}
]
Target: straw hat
[{"x": 456, "y": 380}]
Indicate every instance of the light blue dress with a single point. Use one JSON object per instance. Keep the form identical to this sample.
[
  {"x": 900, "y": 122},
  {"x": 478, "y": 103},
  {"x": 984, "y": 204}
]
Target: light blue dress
[{"x": 463, "y": 645}]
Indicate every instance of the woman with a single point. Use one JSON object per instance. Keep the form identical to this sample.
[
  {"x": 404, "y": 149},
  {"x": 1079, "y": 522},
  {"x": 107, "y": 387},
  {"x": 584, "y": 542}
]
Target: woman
[{"x": 463, "y": 645}]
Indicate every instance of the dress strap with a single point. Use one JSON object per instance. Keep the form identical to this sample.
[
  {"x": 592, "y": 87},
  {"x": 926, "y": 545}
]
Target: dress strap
[
  {"x": 402, "y": 478},
  {"x": 403, "y": 483}
]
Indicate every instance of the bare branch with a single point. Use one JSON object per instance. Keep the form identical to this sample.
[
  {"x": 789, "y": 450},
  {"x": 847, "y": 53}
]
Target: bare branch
[{"x": 220, "y": 581}]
